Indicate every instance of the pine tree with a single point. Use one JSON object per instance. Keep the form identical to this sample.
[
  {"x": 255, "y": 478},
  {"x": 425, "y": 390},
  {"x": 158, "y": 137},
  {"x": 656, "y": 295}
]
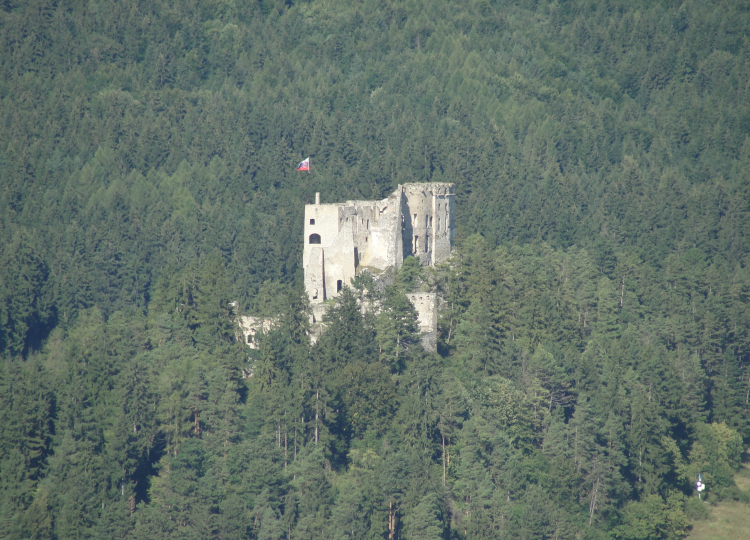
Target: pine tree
[{"x": 423, "y": 522}]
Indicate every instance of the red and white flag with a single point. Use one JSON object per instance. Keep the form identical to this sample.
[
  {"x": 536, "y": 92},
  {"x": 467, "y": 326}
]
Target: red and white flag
[{"x": 304, "y": 166}]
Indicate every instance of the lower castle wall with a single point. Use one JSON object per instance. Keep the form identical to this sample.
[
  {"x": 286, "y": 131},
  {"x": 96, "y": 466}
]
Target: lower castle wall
[
  {"x": 426, "y": 305},
  {"x": 250, "y": 326}
]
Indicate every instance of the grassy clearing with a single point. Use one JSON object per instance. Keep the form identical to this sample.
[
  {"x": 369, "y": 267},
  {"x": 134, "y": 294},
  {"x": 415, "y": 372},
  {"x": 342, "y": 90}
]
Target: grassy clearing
[{"x": 729, "y": 520}]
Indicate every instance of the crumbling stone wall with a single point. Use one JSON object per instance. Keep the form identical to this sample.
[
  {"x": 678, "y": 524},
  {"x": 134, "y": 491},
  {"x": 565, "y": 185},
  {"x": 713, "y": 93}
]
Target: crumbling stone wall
[
  {"x": 426, "y": 305},
  {"x": 251, "y": 326},
  {"x": 340, "y": 239}
]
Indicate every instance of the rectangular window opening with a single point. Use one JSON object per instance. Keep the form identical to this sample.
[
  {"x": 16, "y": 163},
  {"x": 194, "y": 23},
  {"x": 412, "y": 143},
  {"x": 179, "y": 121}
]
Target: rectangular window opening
[
  {"x": 339, "y": 284},
  {"x": 312, "y": 222}
]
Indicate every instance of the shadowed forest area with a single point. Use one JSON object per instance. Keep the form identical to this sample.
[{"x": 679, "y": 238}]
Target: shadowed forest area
[{"x": 594, "y": 347}]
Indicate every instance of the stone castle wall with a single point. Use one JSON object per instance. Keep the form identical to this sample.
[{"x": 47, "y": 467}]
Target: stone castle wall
[
  {"x": 250, "y": 326},
  {"x": 343, "y": 238},
  {"x": 426, "y": 305}
]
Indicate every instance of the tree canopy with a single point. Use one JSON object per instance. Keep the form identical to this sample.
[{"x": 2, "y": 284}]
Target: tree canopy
[{"x": 593, "y": 346}]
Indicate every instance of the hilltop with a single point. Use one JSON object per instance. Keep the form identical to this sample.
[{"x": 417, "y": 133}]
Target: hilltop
[{"x": 593, "y": 350}]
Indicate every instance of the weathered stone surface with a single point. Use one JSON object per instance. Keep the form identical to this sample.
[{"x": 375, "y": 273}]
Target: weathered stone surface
[
  {"x": 251, "y": 326},
  {"x": 341, "y": 238},
  {"x": 426, "y": 305}
]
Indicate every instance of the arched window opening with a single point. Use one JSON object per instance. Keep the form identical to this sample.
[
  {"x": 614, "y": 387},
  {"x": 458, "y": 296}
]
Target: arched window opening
[{"x": 315, "y": 239}]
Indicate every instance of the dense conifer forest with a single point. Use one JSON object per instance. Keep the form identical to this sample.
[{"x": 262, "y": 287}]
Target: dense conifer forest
[{"x": 594, "y": 348}]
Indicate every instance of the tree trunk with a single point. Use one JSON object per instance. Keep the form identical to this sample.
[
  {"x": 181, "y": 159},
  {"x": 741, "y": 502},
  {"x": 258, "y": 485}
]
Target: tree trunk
[
  {"x": 443, "y": 436},
  {"x": 391, "y": 521}
]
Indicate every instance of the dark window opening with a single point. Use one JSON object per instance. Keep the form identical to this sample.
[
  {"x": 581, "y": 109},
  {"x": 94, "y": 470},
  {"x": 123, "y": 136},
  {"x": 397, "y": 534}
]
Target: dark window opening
[
  {"x": 312, "y": 222},
  {"x": 339, "y": 284},
  {"x": 249, "y": 338},
  {"x": 356, "y": 257},
  {"x": 315, "y": 239},
  {"x": 416, "y": 244},
  {"x": 426, "y": 244},
  {"x": 314, "y": 319},
  {"x": 368, "y": 223}
]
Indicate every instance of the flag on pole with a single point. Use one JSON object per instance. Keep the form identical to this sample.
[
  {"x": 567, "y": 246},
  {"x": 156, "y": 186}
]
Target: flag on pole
[{"x": 304, "y": 166}]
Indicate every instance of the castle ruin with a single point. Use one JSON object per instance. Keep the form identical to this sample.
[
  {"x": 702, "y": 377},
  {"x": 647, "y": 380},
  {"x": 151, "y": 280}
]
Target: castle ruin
[{"x": 342, "y": 239}]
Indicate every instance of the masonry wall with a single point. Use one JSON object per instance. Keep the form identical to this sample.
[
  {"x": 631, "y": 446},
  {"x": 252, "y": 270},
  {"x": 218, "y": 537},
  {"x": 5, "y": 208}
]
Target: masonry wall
[
  {"x": 251, "y": 326},
  {"x": 427, "y": 313},
  {"x": 428, "y": 229},
  {"x": 342, "y": 238}
]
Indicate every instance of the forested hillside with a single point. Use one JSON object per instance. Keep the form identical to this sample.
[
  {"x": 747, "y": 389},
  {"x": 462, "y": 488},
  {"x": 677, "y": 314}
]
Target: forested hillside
[{"x": 594, "y": 349}]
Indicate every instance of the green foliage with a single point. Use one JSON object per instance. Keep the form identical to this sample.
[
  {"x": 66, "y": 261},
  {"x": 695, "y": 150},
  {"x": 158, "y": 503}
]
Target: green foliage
[
  {"x": 653, "y": 518},
  {"x": 594, "y": 337},
  {"x": 423, "y": 522},
  {"x": 396, "y": 327},
  {"x": 716, "y": 454}
]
